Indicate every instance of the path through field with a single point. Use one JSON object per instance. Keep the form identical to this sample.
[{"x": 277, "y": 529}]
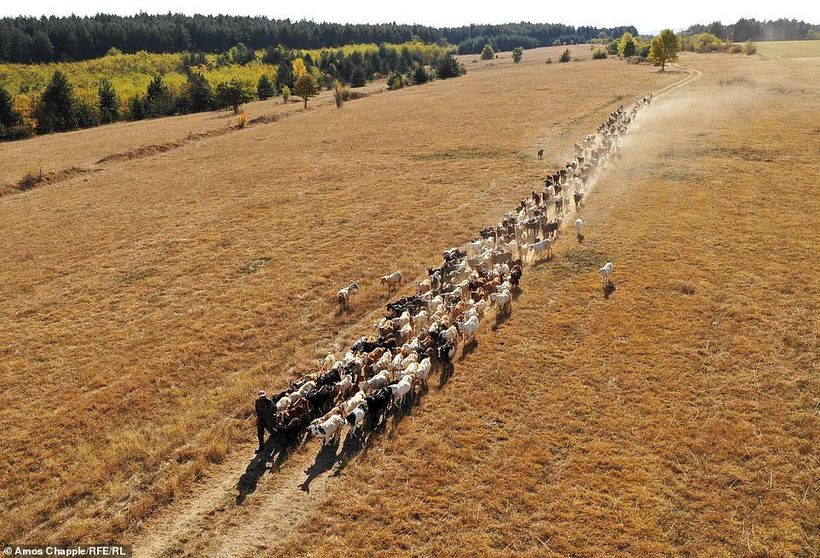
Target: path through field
[{"x": 246, "y": 505}]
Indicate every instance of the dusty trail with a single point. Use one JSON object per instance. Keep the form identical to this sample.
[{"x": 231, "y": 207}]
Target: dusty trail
[{"x": 245, "y": 505}]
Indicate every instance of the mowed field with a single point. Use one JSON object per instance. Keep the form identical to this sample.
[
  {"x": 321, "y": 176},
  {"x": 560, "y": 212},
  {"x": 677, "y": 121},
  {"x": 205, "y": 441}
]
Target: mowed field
[{"x": 144, "y": 304}]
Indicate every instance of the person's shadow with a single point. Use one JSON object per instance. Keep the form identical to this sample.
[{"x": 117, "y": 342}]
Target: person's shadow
[
  {"x": 273, "y": 450},
  {"x": 324, "y": 461}
]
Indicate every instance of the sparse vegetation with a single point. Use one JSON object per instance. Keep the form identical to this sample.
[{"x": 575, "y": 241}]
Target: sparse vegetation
[
  {"x": 599, "y": 54},
  {"x": 517, "y": 54},
  {"x": 565, "y": 56}
]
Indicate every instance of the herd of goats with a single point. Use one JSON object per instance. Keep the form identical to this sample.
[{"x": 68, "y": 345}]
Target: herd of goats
[{"x": 422, "y": 332}]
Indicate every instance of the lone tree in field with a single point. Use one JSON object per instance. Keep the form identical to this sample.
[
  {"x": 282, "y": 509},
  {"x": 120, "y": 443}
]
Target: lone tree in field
[
  {"x": 305, "y": 87},
  {"x": 664, "y": 48},
  {"x": 234, "y": 93},
  {"x": 488, "y": 53},
  {"x": 285, "y": 93},
  {"x": 109, "y": 104},
  {"x": 517, "y": 54}
]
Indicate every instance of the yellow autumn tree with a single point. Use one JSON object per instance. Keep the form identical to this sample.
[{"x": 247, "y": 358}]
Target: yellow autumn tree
[
  {"x": 664, "y": 48},
  {"x": 299, "y": 68}
]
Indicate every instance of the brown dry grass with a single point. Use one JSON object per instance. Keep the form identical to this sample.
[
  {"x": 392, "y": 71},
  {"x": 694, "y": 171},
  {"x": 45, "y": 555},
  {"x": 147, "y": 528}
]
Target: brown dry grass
[
  {"x": 676, "y": 418},
  {"x": 144, "y": 303}
]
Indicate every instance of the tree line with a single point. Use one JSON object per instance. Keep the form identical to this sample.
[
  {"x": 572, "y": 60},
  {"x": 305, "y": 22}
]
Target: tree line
[
  {"x": 297, "y": 73},
  {"x": 753, "y": 30},
  {"x": 46, "y": 39},
  {"x": 471, "y": 39}
]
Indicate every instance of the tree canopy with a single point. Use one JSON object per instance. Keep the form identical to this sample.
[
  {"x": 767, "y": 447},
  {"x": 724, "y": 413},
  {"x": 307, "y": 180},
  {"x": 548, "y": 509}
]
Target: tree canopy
[
  {"x": 46, "y": 39},
  {"x": 306, "y": 87},
  {"x": 664, "y": 48}
]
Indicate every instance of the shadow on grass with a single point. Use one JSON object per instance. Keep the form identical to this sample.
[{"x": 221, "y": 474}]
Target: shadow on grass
[
  {"x": 324, "y": 461},
  {"x": 275, "y": 451}
]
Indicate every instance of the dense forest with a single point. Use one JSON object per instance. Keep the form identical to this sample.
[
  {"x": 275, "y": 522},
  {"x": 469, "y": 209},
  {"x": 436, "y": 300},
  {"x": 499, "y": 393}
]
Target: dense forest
[
  {"x": 753, "y": 30},
  {"x": 47, "y": 39}
]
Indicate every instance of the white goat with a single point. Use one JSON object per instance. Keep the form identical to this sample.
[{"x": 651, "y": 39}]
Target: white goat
[
  {"x": 606, "y": 273},
  {"x": 343, "y": 296},
  {"x": 393, "y": 281},
  {"x": 330, "y": 429},
  {"x": 469, "y": 328},
  {"x": 541, "y": 246}
]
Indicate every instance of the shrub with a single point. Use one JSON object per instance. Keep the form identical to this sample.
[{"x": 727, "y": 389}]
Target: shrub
[
  {"x": 420, "y": 75},
  {"x": 448, "y": 67},
  {"x": 358, "y": 77},
  {"x": 488, "y": 53},
  {"x": 242, "y": 120},
  {"x": 517, "y": 54},
  {"x": 339, "y": 93},
  {"x": 199, "y": 95},
  {"x": 627, "y": 45},
  {"x": 55, "y": 112},
  {"x": 599, "y": 54},
  {"x": 234, "y": 94},
  {"x": 109, "y": 105},
  {"x": 285, "y": 93},
  {"x": 396, "y": 81},
  {"x": 565, "y": 56},
  {"x": 85, "y": 115},
  {"x": 264, "y": 88},
  {"x": 136, "y": 108},
  {"x": 642, "y": 51},
  {"x": 734, "y": 48},
  {"x": 750, "y": 48},
  {"x": 548, "y": 61},
  {"x": 8, "y": 116}
]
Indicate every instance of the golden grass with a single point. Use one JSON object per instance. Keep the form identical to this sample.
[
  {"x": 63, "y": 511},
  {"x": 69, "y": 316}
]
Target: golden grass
[
  {"x": 148, "y": 301},
  {"x": 137, "y": 325},
  {"x": 789, "y": 49},
  {"x": 676, "y": 418}
]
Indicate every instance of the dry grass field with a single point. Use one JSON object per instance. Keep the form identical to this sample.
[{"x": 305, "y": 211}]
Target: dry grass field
[
  {"x": 146, "y": 302},
  {"x": 789, "y": 49}
]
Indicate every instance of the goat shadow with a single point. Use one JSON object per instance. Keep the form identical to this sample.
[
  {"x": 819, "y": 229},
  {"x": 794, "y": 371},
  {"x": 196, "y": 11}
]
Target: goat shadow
[
  {"x": 445, "y": 373},
  {"x": 580, "y": 238},
  {"x": 501, "y": 318},
  {"x": 468, "y": 349},
  {"x": 273, "y": 450},
  {"x": 342, "y": 310},
  {"x": 609, "y": 289},
  {"x": 324, "y": 461}
]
